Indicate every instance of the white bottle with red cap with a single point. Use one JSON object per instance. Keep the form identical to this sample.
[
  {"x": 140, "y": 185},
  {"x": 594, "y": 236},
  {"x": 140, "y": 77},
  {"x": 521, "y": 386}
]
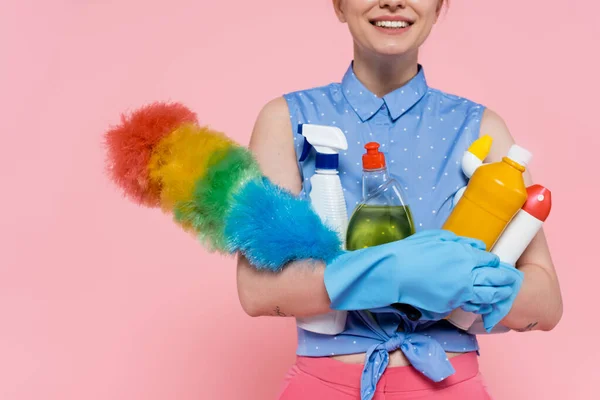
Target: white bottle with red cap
[
  {"x": 511, "y": 245},
  {"x": 524, "y": 226}
]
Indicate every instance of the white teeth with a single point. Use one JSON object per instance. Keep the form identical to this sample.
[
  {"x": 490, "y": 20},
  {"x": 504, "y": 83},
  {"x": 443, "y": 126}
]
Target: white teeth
[{"x": 392, "y": 24}]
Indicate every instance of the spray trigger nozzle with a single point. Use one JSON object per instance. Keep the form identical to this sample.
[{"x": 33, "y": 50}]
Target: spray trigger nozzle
[
  {"x": 326, "y": 140},
  {"x": 307, "y": 147}
]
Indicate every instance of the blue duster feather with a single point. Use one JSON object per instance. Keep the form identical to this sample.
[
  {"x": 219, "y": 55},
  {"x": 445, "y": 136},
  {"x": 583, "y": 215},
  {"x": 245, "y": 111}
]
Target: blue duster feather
[{"x": 272, "y": 227}]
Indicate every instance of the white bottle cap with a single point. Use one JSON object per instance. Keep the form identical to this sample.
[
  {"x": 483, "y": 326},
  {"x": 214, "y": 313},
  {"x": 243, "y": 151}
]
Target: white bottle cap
[{"x": 519, "y": 155}]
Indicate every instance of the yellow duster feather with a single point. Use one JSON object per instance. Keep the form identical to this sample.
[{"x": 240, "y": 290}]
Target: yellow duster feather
[{"x": 182, "y": 158}]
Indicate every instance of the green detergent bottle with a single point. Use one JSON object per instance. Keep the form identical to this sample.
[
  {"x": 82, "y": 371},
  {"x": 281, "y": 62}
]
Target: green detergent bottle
[{"x": 382, "y": 216}]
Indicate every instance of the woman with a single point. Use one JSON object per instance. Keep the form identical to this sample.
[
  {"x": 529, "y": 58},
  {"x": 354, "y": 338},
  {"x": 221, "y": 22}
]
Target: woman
[{"x": 384, "y": 97}]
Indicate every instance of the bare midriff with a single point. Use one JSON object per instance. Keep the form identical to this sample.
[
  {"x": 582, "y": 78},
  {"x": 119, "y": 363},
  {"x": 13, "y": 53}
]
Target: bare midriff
[{"x": 397, "y": 358}]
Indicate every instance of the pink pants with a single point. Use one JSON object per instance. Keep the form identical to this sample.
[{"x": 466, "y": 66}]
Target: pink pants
[{"x": 325, "y": 378}]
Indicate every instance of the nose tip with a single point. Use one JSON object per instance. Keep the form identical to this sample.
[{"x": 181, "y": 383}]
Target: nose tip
[{"x": 392, "y": 5}]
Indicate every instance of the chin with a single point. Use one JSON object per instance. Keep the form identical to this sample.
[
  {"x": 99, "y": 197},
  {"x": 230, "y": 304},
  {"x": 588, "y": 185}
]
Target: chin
[{"x": 392, "y": 49}]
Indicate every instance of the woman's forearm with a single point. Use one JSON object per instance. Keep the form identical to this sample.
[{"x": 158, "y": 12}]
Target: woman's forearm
[
  {"x": 296, "y": 291},
  {"x": 538, "y": 305}
]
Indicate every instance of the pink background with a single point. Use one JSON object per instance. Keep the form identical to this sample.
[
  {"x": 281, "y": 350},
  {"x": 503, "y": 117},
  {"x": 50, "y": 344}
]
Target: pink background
[{"x": 101, "y": 299}]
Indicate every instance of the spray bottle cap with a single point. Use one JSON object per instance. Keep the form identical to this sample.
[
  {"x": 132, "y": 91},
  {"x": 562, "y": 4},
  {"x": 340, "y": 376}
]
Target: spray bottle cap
[
  {"x": 539, "y": 202},
  {"x": 519, "y": 155},
  {"x": 373, "y": 158},
  {"x": 327, "y": 141}
]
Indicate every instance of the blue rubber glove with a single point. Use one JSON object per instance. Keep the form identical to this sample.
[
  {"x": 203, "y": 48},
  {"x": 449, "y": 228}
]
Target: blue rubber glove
[
  {"x": 435, "y": 271},
  {"x": 494, "y": 313}
]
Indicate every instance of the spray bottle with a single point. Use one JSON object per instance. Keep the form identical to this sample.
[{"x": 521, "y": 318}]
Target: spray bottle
[{"x": 327, "y": 199}]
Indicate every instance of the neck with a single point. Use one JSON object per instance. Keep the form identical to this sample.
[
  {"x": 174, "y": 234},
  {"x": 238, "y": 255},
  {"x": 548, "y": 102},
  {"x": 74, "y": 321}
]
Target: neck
[{"x": 384, "y": 74}]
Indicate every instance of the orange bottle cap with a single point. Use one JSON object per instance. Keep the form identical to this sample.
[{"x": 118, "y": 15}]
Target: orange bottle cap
[{"x": 373, "y": 159}]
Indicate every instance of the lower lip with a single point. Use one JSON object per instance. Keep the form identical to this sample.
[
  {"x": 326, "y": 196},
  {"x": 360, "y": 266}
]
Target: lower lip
[{"x": 392, "y": 31}]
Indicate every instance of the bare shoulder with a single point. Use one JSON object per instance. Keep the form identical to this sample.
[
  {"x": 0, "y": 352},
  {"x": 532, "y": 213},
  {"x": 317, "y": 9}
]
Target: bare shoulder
[
  {"x": 272, "y": 125},
  {"x": 272, "y": 144},
  {"x": 494, "y": 125},
  {"x": 276, "y": 108}
]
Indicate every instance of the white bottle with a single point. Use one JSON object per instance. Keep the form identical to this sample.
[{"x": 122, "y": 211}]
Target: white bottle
[
  {"x": 510, "y": 246},
  {"x": 327, "y": 199},
  {"x": 473, "y": 159},
  {"x": 518, "y": 234},
  {"x": 524, "y": 226}
]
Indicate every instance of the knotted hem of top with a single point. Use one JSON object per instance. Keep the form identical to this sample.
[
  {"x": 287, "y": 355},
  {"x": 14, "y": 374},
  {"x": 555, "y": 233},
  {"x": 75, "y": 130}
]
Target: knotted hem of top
[{"x": 393, "y": 379}]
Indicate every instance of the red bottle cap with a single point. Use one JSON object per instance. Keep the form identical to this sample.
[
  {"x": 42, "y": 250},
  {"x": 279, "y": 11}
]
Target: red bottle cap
[
  {"x": 539, "y": 202},
  {"x": 373, "y": 159}
]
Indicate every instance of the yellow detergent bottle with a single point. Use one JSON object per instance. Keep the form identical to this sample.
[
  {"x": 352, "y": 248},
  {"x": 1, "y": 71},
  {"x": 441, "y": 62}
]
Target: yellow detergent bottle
[{"x": 494, "y": 195}]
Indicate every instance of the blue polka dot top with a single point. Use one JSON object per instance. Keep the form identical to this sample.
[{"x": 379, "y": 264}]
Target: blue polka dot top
[{"x": 423, "y": 133}]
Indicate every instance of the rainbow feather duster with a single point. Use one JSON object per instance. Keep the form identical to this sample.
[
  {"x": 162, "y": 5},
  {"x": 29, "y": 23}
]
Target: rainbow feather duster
[{"x": 161, "y": 157}]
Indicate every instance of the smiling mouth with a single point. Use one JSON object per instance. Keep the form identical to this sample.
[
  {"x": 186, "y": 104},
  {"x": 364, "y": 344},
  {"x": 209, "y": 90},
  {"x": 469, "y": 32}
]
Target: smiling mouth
[{"x": 391, "y": 24}]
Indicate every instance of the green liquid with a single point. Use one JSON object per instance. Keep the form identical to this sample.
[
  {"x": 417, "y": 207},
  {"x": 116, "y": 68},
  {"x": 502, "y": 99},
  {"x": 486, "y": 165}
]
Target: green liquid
[{"x": 376, "y": 225}]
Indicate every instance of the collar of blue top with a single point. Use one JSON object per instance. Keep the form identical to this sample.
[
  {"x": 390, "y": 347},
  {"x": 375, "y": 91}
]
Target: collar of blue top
[{"x": 366, "y": 104}]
